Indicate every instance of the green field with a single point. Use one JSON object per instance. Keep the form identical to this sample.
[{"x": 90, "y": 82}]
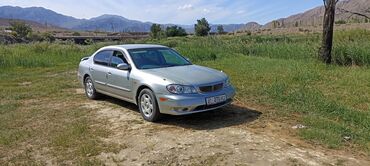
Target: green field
[{"x": 38, "y": 81}]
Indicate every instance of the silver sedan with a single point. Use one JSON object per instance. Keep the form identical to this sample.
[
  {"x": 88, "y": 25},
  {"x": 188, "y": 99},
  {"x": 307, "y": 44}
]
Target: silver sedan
[{"x": 156, "y": 78}]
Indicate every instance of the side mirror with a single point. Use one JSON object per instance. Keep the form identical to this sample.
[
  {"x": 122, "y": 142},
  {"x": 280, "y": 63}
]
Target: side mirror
[{"x": 123, "y": 66}]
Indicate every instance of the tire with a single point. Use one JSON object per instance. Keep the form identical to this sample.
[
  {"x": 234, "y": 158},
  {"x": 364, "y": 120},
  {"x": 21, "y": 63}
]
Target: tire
[
  {"x": 90, "y": 90},
  {"x": 148, "y": 106}
]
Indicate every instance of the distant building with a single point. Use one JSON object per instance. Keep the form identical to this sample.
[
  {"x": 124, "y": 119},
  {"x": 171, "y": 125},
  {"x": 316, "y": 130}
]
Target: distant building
[{"x": 8, "y": 31}]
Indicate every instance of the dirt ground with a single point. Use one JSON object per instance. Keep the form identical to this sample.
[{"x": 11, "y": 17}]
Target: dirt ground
[{"x": 235, "y": 135}]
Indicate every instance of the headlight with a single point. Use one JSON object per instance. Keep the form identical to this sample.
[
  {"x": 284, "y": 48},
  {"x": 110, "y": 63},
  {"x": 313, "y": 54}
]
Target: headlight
[
  {"x": 181, "y": 89},
  {"x": 227, "y": 83}
]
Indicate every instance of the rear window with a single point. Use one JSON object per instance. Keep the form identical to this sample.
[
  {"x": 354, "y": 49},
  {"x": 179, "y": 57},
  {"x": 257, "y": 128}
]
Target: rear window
[{"x": 103, "y": 57}]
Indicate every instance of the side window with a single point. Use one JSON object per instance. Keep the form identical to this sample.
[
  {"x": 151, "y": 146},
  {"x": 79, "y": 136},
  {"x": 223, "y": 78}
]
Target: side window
[
  {"x": 102, "y": 58},
  {"x": 117, "y": 59}
]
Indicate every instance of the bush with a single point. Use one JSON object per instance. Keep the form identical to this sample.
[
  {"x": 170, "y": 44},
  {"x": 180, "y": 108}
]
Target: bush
[
  {"x": 7, "y": 39},
  {"x": 339, "y": 22},
  {"x": 48, "y": 37},
  {"x": 89, "y": 41},
  {"x": 173, "y": 31},
  {"x": 20, "y": 29},
  {"x": 36, "y": 37}
]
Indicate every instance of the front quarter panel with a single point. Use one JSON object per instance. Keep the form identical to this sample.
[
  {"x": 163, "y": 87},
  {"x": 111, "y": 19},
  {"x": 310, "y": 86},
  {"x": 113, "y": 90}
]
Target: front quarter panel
[{"x": 155, "y": 83}]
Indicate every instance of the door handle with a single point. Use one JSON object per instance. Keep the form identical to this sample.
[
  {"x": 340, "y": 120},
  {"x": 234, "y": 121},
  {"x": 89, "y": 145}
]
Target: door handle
[
  {"x": 91, "y": 69},
  {"x": 109, "y": 73}
]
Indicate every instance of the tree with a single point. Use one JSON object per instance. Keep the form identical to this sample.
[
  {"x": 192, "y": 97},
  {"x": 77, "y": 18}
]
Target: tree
[
  {"x": 20, "y": 29},
  {"x": 328, "y": 28},
  {"x": 173, "y": 31},
  {"x": 220, "y": 29},
  {"x": 202, "y": 27},
  {"x": 155, "y": 31}
]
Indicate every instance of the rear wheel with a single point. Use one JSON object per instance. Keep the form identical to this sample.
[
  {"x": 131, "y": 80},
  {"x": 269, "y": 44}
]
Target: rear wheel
[
  {"x": 148, "y": 106},
  {"x": 90, "y": 90}
]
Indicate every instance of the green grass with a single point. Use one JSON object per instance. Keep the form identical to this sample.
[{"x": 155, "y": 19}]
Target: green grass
[
  {"x": 38, "y": 104},
  {"x": 332, "y": 101},
  {"x": 39, "y": 108}
]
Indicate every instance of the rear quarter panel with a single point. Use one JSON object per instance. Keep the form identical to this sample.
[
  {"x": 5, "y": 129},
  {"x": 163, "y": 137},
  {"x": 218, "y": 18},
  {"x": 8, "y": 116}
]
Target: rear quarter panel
[{"x": 83, "y": 69}]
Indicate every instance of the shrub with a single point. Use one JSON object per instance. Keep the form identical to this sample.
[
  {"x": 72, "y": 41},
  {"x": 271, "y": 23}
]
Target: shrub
[
  {"x": 173, "y": 31},
  {"x": 76, "y": 34},
  {"x": 339, "y": 22},
  {"x": 20, "y": 29},
  {"x": 36, "y": 37}
]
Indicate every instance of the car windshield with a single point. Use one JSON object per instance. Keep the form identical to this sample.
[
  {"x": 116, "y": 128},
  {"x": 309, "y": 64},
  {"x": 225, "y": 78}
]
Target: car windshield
[{"x": 150, "y": 58}]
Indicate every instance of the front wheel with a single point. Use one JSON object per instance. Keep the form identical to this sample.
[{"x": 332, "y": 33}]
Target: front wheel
[{"x": 148, "y": 106}]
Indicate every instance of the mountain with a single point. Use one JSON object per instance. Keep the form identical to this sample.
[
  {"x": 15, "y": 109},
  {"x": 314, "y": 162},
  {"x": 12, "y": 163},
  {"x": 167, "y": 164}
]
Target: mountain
[
  {"x": 110, "y": 23},
  {"x": 314, "y": 17},
  {"x": 114, "y": 23},
  {"x": 102, "y": 23},
  {"x": 40, "y": 15}
]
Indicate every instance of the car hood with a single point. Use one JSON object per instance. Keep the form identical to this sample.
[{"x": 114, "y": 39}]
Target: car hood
[{"x": 189, "y": 75}]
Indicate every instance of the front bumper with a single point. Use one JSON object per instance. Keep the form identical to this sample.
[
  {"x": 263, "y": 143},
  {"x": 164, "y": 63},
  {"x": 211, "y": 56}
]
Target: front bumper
[{"x": 192, "y": 103}]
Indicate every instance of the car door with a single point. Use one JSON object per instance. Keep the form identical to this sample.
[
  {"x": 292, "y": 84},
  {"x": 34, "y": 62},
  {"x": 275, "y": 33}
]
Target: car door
[
  {"x": 119, "y": 81},
  {"x": 100, "y": 68}
]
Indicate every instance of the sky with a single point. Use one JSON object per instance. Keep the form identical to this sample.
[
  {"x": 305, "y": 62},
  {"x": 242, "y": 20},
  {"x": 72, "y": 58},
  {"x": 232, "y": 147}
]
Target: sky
[{"x": 176, "y": 11}]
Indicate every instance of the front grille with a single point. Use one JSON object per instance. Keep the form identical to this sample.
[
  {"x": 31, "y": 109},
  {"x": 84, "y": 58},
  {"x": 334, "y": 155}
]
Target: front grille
[{"x": 211, "y": 88}]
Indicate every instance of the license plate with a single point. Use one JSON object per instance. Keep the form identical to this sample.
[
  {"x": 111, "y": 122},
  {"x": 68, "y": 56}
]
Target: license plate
[{"x": 216, "y": 100}]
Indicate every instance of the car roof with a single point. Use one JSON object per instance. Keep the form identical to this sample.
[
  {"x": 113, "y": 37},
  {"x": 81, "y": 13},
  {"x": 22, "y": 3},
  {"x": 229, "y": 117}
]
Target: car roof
[{"x": 136, "y": 46}]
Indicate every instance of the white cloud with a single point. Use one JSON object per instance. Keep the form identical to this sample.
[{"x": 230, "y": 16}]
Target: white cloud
[
  {"x": 186, "y": 7},
  {"x": 240, "y": 12},
  {"x": 206, "y": 11}
]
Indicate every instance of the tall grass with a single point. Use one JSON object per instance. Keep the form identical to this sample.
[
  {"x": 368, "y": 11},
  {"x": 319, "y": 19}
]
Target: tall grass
[
  {"x": 211, "y": 48},
  {"x": 350, "y": 48},
  {"x": 43, "y": 54}
]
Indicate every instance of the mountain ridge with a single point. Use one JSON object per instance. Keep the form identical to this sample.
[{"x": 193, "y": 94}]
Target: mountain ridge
[{"x": 106, "y": 22}]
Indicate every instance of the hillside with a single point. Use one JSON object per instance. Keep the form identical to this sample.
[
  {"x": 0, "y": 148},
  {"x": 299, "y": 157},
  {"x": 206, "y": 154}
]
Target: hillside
[
  {"x": 34, "y": 25},
  {"x": 314, "y": 17}
]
